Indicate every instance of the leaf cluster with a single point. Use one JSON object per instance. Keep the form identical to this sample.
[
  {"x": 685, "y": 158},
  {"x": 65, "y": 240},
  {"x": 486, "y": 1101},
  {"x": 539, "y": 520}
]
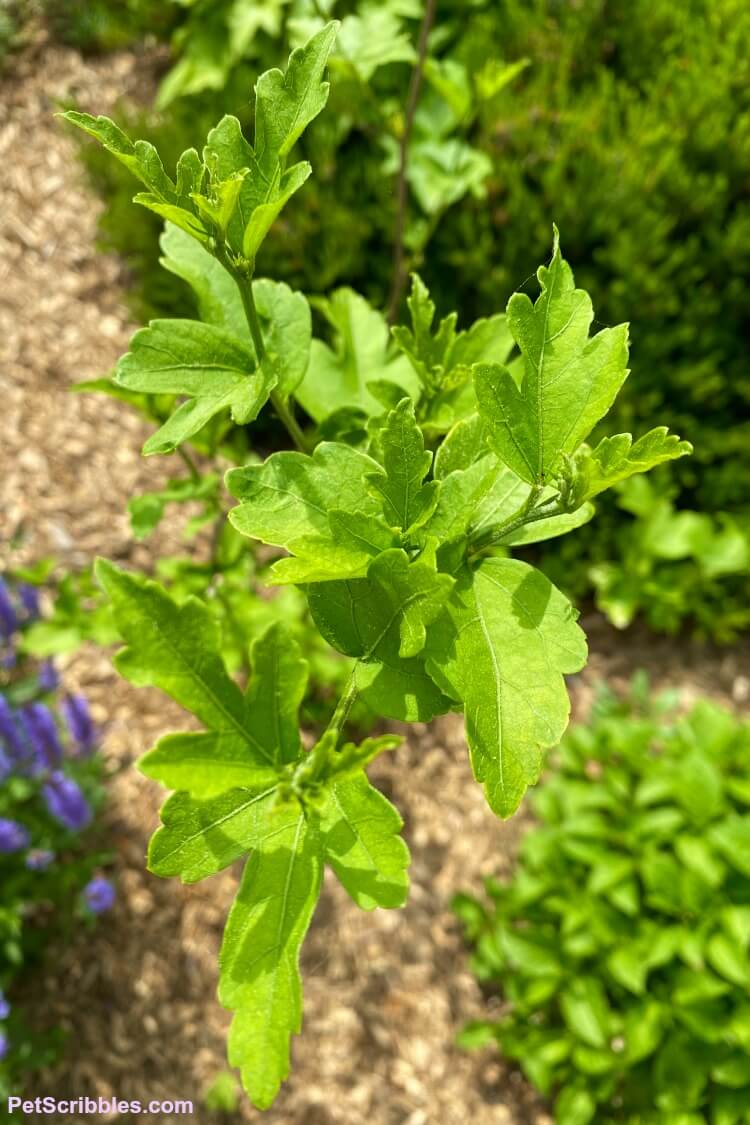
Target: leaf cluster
[
  {"x": 244, "y": 784},
  {"x": 621, "y": 942}
]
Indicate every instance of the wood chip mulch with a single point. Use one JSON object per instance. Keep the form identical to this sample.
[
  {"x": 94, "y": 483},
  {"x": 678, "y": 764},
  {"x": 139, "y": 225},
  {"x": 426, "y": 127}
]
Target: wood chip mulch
[{"x": 385, "y": 993}]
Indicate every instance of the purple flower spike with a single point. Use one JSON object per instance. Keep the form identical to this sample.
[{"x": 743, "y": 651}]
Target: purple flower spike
[
  {"x": 4, "y": 1006},
  {"x": 48, "y": 677},
  {"x": 78, "y": 717},
  {"x": 29, "y": 596},
  {"x": 99, "y": 895},
  {"x": 39, "y": 859},
  {"x": 13, "y": 836},
  {"x": 43, "y": 733},
  {"x": 3, "y": 1045},
  {"x": 65, "y": 802},
  {"x": 9, "y": 733},
  {"x": 8, "y": 619}
]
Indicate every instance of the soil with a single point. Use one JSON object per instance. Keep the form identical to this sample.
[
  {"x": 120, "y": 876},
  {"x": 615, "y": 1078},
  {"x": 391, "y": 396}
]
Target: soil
[{"x": 385, "y": 993}]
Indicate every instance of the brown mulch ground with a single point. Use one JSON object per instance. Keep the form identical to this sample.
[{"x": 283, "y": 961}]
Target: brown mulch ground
[{"x": 384, "y": 993}]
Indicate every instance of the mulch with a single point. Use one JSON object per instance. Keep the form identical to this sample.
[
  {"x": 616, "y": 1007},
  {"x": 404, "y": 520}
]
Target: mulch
[{"x": 385, "y": 993}]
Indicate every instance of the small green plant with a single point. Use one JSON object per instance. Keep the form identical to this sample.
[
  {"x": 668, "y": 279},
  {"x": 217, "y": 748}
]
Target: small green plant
[
  {"x": 675, "y": 566},
  {"x": 420, "y": 457},
  {"x": 620, "y": 945}
]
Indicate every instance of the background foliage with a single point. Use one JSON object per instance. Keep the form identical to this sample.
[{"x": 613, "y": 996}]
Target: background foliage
[{"x": 620, "y": 945}]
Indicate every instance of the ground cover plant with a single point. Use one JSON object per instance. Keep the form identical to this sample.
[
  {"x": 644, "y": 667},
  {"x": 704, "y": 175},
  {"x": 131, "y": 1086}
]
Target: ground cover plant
[
  {"x": 418, "y": 460},
  {"x": 620, "y": 943},
  {"x": 627, "y": 120},
  {"x": 50, "y": 792}
]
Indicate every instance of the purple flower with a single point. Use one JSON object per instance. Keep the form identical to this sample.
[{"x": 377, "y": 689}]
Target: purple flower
[
  {"x": 13, "y": 836},
  {"x": 5, "y": 766},
  {"x": 48, "y": 678},
  {"x": 9, "y": 732},
  {"x": 4, "y": 1006},
  {"x": 43, "y": 734},
  {"x": 8, "y": 658},
  {"x": 3, "y": 1045},
  {"x": 39, "y": 859},
  {"x": 65, "y": 802},
  {"x": 99, "y": 895},
  {"x": 8, "y": 618},
  {"x": 29, "y": 596},
  {"x": 78, "y": 717}
]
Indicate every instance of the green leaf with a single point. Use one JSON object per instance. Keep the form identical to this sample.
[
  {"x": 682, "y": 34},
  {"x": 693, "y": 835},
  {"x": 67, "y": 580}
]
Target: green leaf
[
  {"x": 216, "y": 290},
  {"x": 373, "y": 38},
  {"x": 440, "y": 172},
  {"x": 177, "y": 649},
  {"x": 460, "y": 499},
  {"x": 286, "y": 103},
  {"x": 199, "y": 837},
  {"x": 401, "y": 689},
  {"x": 628, "y": 967},
  {"x": 729, "y": 959},
  {"x": 352, "y": 542},
  {"x": 616, "y": 458},
  {"x": 568, "y": 381},
  {"x": 362, "y": 843},
  {"x": 385, "y": 614},
  {"x": 463, "y": 446},
  {"x": 732, "y": 837},
  {"x": 259, "y": 961},
  {"x": 290, "y": 495},
  {"x": 381, "y": 620},
  {"x": 574, "y": 1106},
  {"x": 186, "y": 357},
  {"x": 502, "y": 645},
  {"x": 644, "y": 1027},
  {"x": 584, "y": 1007},
  {"x": 407, "y": 501},
  {"x": 277, "y": 687},
  {"x": 339, "y": 377}
]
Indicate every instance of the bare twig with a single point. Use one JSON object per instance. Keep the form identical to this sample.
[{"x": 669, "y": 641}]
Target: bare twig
[{"x": 402, "y": 190}]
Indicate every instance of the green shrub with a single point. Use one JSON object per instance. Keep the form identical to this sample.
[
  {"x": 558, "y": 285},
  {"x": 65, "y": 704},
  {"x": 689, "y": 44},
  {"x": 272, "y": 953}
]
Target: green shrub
[{"x": 620, "y": 944}]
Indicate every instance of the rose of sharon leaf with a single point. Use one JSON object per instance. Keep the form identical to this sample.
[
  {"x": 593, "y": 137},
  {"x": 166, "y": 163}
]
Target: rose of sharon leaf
[
  {"x": 502, "y": 645},
  {"x": 567, "y": 384}
]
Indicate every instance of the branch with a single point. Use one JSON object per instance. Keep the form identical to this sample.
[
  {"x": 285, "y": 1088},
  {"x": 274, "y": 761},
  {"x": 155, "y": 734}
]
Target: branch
[
  {"x": 527, "y": 513},
  {"x": 402, "y": 192}
]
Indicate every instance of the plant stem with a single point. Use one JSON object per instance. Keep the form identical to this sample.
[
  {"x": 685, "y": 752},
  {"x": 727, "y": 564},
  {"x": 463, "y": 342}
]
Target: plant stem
[
  {"x": 399, "y": 275},
  {"x": 520, "y": 518},
  {"x": 344, "y": 705},
  {"x": 188, "y": 460},
  {"x": 280, "y": 405}
]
